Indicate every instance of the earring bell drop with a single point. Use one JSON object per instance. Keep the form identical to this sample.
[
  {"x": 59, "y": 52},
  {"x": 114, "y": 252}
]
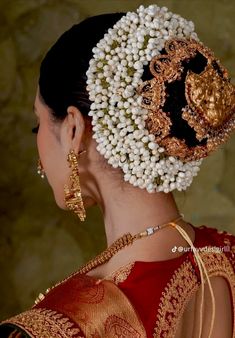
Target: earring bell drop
[
  {"x": 40, "y": 169},
  {"x": 73, "y": 196}
]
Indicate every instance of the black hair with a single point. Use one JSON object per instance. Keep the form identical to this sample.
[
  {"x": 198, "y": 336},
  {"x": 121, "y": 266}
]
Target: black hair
[{"x": 62, "y": 80}]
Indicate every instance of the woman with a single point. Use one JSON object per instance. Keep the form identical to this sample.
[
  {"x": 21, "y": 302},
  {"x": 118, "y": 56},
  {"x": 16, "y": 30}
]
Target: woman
[{"x": 128, "y": 105}]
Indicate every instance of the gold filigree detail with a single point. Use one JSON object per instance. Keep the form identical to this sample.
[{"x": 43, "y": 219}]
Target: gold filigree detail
[
  {"x": 177, "y": 147},
  {"x": 210, "y": 97},
  {"x": 158, "y": 124},
  {"x": 165, "y": 67},
  {"x": 45, "y": 323},
  {"x": 183, "y": 284},
  {"x": 153, "y": 93}
]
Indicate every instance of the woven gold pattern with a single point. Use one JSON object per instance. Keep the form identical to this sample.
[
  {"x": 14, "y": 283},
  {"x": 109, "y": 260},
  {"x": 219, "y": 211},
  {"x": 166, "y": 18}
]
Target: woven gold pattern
[{"x": 45, "y": 323}]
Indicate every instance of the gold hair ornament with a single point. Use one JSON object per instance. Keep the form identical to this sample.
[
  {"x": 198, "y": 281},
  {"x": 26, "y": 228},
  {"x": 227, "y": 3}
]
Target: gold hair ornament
[
  {"x": 210, "y": 97},
  {"x": 73, "y": 196}
]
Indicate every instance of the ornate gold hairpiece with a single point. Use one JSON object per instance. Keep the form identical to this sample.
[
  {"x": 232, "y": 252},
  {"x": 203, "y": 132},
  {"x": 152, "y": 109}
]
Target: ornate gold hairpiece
[{"x": 210, "y": 97}]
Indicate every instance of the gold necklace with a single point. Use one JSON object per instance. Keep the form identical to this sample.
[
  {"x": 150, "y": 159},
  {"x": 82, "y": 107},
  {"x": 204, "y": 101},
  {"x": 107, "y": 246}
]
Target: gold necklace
[
  {"x": 106, "y": 255},
  {"x": 119, "y": 244}
]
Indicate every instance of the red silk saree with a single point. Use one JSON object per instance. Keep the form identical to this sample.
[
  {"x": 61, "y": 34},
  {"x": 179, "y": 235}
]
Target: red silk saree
[{"x": 142, "y": 299}]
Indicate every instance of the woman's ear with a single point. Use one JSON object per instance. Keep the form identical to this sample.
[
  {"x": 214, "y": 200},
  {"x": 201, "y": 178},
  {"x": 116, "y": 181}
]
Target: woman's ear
[{"x": 72, "y": 130}]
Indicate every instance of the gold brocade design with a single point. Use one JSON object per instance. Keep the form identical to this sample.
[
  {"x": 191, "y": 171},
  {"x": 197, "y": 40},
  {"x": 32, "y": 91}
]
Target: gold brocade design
[
  {"x": 209, "y": 96},
  {"x": 117, "y": 327},
  {"x": 183, "y": 284},
  {"x": 45, "y": 323},
  {"x": 120, "y": 275},
  {"x": 114, "y": 316},
  {"x": 109, "y": 314}
]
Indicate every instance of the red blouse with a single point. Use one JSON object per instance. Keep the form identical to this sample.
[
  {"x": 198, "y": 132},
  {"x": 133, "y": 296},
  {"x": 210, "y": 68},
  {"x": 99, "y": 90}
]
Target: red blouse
[
  {"x": 151, "y": 286},
  {"x": 142, "y": 299}
]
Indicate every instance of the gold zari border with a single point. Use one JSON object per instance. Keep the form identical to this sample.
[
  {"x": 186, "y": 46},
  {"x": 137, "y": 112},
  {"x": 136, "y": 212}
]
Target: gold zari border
[
  {"x": 45, "y": 323},
  {"x": 181, "y": 287}
]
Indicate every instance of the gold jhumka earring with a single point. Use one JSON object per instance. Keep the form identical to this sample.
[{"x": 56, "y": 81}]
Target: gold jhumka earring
[
  {"x": 73, "y": 196},
  {"x": 40, "y": 169}
]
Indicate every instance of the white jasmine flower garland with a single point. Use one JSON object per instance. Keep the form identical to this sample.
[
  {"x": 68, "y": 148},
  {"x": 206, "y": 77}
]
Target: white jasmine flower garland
[{"x": 118, "y": 119}]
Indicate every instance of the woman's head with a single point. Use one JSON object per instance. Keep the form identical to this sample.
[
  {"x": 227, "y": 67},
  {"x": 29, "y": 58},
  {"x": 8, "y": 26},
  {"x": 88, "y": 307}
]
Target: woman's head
[
  {"x": 74, "y": 74},
  {"x": 62, "y": 101}
]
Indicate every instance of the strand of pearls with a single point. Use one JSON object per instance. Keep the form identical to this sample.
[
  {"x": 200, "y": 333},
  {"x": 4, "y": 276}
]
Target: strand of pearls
[{"x": 118, "y": 120}]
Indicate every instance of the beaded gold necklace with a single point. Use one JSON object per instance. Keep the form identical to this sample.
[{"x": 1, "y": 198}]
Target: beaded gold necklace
[
  {"x": 106, "y": 255},
  {"x": 119, "y": 244}
]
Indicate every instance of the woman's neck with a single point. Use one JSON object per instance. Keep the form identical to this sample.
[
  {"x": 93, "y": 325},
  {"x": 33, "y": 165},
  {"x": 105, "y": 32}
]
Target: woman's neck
[{"x": 135, "y": 209}]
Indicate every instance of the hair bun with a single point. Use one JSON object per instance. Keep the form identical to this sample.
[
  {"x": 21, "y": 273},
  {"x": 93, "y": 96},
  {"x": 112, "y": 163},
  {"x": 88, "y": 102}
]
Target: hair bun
[{"x": 157, "y": 109}]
